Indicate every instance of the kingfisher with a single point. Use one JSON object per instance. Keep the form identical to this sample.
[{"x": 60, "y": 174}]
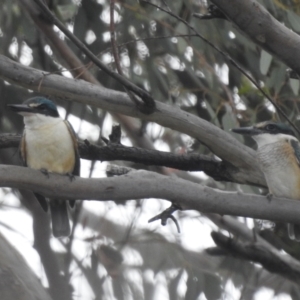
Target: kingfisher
[
  {"x": 49, "y": 144},
  {"x": 278, "y": 153}
]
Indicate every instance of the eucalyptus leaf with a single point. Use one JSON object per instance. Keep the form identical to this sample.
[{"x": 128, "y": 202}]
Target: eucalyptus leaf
[
  {"x": 265, "y": 62},
  {"x": 66, "y": 12},
  {"x": 294, "y": 83},
  {"x": 294, "y": 20}
]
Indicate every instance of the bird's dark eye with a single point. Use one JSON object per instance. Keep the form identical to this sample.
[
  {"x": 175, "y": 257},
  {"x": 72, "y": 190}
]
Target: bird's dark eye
[
  {"x": 42, "y": 106},
  {"x": 270, "y": 127}
]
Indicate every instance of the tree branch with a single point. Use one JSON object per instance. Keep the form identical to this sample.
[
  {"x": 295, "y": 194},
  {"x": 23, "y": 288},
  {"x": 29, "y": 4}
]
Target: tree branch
[
  {"x": 59, "y": 288},
  {"x": 17, "y": 280},
  {"x": 263, "y": 29},
  {"x": 218, "y": 170},
  {"x": 219, "y": 141},
  {"x": 144, "y": 184},
  {"x": 257, "y": 253}
]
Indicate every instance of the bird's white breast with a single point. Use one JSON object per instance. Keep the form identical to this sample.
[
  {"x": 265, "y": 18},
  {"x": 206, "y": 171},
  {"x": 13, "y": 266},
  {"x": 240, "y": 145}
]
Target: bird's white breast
[
  {"x": 280, "y": 167},
  {"x": 49, "y": 144}
]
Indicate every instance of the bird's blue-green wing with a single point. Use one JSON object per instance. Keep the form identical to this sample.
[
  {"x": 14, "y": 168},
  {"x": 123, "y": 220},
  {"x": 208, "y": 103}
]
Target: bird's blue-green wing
[
  {"x": 22, "y": 150},
  {"x": 76, "y": 170},
  {"x": 296, "y": 146},
  {"x": 294, "y": 229}
]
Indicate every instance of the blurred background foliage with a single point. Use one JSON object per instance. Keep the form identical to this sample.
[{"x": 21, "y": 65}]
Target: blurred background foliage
[{"x": 123, "y": 257}]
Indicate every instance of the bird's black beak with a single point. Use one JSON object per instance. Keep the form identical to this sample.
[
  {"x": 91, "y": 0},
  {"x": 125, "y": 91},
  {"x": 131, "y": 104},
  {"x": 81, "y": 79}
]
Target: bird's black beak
[
  {"x": 19, "y": 108},
  {"x": 246, "y": 130}
]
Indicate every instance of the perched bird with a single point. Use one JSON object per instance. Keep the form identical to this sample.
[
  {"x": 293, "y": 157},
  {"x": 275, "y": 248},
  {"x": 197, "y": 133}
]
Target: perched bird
[
  {"x": 278, "y": 153},
  {"x": 49, "y": 144}
]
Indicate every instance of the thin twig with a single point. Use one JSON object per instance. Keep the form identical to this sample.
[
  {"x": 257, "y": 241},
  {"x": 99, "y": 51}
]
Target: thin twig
[
  {"x": 113, "y": 38},
  {"x": 90, "y": 64},
  {"x": 115, "y": 52}
]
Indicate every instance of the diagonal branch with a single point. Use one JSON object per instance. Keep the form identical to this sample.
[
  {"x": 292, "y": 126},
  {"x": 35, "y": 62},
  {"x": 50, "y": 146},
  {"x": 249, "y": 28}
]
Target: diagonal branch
[
  {"x": 259, "y": 254},
  {"x": 18, "y": 280},
  {"x": 263, "y": 29}
]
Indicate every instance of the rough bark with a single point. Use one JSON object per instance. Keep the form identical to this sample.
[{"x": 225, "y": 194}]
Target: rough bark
[
  {"x": 144, "y": 184},
  {"x": 263, "y": 29},
  {"x": 17, "y": 280}
]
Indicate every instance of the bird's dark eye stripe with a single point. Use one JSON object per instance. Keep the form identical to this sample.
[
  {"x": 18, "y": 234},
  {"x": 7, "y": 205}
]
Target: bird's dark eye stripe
[{"x": 270, "y": 127}]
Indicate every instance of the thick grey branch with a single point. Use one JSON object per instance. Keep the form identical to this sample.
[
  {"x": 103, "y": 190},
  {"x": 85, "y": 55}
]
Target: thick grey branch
[
  {"x": 256, "y": 22},
  {"x": 143, "y": 184},
  {"x": 17, "y": 280},
  {"x": 220, "y": 142},
  {"x": 58, "y": 284},
  {"x": 257, "y": 253}
]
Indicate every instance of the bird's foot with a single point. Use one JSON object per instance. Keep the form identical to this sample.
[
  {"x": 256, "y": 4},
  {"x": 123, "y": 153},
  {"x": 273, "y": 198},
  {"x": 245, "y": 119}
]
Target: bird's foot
[
  {"x": 167, "y": 214},
  {"x": 45, "y": 172},
  {"x": 71, "y": 176},
  {"x": 269, "y": 197}
]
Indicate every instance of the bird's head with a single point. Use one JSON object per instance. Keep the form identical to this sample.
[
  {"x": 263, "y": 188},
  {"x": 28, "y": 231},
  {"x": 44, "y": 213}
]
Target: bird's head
[
  {"x": 36, "y": 105},
  {"x": 267, "y": 132}
]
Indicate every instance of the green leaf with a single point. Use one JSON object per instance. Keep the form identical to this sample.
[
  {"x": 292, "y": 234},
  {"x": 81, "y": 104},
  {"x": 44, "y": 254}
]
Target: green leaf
[
  {"x": 228, "y": 119},
  {"x": 277, "y": 78},
  {"x": 212, "y": 113},
  {"x": 294, "y": 83},
  {"x": 265, "y": 62},
  {"x": 294, "y": 20},
  {"x": 66, "y": 12}
]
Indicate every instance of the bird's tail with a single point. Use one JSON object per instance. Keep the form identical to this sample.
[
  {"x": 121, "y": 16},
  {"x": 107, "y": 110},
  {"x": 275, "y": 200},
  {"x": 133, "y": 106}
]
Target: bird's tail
[
  {"x": 294, "y": 232},
  {"x": 59, "y": 216},
  {"x": 43, "y": 202}
]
